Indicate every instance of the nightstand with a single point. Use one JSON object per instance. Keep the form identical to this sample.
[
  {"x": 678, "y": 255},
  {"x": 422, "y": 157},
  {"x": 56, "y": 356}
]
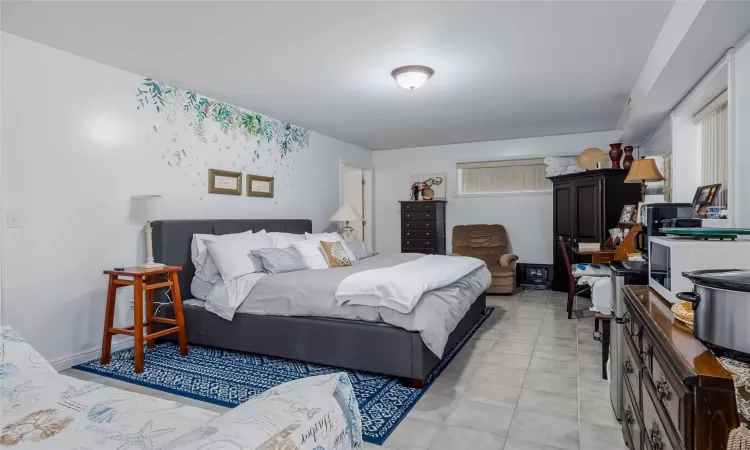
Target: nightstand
[{"x": 143, "y": 280}]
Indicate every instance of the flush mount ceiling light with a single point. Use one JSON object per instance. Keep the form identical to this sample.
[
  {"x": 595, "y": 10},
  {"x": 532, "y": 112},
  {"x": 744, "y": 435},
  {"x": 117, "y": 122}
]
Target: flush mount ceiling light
[{"x": 412, "y": 77}]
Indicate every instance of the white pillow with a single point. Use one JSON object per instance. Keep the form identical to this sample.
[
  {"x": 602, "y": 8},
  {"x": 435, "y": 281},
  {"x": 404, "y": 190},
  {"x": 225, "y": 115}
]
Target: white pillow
[
  {"x": 285, "y": 240},
  {"x": 331, "y": 237},
  {"x": 312, "y": 254},
  {"x": 205, "y": 268},
  {"x": 231, "y": 253}
]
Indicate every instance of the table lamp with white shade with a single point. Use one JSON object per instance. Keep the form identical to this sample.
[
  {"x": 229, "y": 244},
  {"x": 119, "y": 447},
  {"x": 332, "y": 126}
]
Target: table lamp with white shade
[
  {"x": 347, "y": 214},
  {"x": 147, "y": 208}
]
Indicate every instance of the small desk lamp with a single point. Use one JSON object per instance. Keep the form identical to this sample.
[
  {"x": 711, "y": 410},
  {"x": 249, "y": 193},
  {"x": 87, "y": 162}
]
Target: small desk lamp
[
  {"x": 147, "y": 208},
  {"x": 643, "y": 170},
  {"x": 347, "y": 214}
]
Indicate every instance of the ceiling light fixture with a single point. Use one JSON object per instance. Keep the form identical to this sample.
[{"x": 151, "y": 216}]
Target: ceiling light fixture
[{"x": 412, "y": 77}]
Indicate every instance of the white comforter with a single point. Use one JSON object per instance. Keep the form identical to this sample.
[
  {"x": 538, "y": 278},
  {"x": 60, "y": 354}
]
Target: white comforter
[{"x": 400, "y": 287}]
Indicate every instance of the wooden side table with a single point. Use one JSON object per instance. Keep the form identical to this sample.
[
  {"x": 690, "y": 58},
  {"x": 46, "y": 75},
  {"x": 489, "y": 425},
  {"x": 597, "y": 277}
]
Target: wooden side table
[{"x": 143, "y": 280}]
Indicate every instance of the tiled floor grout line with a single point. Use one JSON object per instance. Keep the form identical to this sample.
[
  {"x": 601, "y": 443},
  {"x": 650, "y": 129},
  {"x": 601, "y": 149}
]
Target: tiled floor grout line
[
  {"x": 515, "y": 409},
  {"x": 512, "y": 310},
  {"x": 460, "y": 397}
]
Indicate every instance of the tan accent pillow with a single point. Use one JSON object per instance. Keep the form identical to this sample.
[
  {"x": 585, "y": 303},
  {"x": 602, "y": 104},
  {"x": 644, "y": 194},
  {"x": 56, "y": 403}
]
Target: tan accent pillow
[{"x": 335, "y": 254}]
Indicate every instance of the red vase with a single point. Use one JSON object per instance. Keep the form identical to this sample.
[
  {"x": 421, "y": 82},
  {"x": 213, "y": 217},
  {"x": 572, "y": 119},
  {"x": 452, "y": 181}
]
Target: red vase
[
  {"x": 615, "y": 153},
  {"x": 627, "y": 161}
]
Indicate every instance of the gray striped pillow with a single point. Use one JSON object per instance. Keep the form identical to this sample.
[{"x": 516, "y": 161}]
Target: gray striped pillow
[{"x": 280, "y": 260}]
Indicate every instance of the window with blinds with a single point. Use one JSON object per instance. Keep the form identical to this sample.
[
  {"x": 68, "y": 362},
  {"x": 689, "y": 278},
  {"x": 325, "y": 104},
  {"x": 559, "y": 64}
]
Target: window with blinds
[
  {"x": 503, "y": 177},
  {"x": 713, "y": 122}
]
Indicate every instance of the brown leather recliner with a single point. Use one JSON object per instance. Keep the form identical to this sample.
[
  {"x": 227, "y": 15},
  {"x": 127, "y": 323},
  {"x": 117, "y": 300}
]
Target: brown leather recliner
[{"x": 488, "y": 243}]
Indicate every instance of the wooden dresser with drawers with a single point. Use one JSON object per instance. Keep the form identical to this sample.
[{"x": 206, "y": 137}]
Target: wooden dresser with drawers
[
  {"x": 677, "y": 395},
  {"x": 423, "y": 226}
]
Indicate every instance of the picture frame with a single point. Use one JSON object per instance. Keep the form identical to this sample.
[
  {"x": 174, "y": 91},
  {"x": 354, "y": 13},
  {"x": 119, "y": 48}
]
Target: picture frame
[
  {"x": 704, "y": 197},
  {"x": 626, "y": 215},
  {"x": 224, "y": 182},
  {"x": 259, "y": 186}
]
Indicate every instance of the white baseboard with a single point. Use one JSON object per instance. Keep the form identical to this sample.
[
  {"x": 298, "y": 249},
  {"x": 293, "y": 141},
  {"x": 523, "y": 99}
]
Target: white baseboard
[{"x": 86, "y": 356}]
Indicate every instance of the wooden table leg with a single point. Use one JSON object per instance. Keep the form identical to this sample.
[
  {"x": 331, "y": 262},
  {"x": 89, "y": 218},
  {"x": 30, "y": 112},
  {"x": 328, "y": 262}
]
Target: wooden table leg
[
  {"x": 150, "y": 312},
  {"x": 138, "y": 323},
  {"x": 109, "y": 320},
  {"x": 177, "y": 303}
]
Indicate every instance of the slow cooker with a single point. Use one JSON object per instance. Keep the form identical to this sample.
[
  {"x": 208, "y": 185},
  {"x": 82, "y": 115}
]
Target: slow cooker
[{"x": 721, "y": 302}]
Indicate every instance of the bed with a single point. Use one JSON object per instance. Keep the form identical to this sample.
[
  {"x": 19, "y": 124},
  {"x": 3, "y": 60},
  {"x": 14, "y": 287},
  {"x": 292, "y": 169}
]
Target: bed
[{"x": 352, "y": 344}]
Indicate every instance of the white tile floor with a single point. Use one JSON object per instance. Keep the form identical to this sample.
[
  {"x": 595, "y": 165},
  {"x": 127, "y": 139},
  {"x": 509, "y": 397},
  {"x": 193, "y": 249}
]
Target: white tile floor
[{"x": 530, "y": 379}]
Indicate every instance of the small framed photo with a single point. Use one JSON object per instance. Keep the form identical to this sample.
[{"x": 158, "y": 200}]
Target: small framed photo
[
  {"x": 704, "y": 196},
  {"x": 627, "y": 213},
  {"x": 224, "y": 182},
  {"x": 259, "y": 186}
]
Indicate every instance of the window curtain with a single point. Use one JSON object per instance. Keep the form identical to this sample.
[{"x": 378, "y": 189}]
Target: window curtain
[
  {"x": 715, "y": 150},
  {"x": 493, "y": 177}
]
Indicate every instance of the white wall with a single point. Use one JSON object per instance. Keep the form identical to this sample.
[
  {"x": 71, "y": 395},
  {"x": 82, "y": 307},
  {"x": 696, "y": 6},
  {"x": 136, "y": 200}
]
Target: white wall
[
  {"x": 75, "y": 149},
  {"x": 686, "y": 159},
  {"x": 527, "y": 218},
  {"x": 660, "y": 142},
  {"x": 742, "y": 135}
]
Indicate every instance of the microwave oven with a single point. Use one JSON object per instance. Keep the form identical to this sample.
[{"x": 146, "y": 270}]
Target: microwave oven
[{"x": 669, "y": 256}]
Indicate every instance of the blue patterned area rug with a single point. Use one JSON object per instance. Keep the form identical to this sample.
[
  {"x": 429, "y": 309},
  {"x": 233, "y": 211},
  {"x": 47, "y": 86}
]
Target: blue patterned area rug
[{"x": 229, "y": 378}]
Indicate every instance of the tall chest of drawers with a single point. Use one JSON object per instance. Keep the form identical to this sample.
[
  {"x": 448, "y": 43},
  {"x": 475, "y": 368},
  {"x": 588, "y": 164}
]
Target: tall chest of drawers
[
  {"x": 423, "y": 226},
  {"x": 677, "y": 396}
]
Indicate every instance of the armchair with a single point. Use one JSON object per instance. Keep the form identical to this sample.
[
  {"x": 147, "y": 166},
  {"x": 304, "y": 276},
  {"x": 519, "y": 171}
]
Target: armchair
[{"x": 488, "y": 243}]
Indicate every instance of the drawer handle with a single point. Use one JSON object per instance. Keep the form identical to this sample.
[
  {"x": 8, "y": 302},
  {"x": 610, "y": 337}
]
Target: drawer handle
[
  {"x": 408, "y": 234},
  {"x": 407, "y": 242},
  {"x": 654, "y": 437},
  {"x": 408, "y": 224},
  {"x": 662, "y": 389},
  {"x": 427, "y": 215},
  {"x": 628, "y": 415},
  {"x": 628, "y": 365},
  {"x": 428, "y": 233},
  {"x": 407, "y": 216}
]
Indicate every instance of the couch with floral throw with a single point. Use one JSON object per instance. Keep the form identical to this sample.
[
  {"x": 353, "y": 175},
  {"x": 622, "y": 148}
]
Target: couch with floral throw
[{"x": 41, "y": 409}]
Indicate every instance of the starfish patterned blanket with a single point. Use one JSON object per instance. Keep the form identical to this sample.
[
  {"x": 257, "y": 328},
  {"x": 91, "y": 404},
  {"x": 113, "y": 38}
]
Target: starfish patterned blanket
[{"x": 41, "y": 409}]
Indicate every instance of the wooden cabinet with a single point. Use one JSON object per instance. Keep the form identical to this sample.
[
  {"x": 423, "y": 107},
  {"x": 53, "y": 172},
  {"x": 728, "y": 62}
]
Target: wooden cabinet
[
  {"x": 677, "y": 396},
  {"x": 423, "y": 226},
  {"x": 585, "y": 206}
]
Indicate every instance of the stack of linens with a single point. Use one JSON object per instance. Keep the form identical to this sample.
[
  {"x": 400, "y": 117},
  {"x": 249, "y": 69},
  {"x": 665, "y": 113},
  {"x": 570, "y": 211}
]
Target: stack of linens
[{"x": 558, "y": 165}]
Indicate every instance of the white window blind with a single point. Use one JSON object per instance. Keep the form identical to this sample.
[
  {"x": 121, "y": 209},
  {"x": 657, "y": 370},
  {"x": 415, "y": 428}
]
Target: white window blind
[
  {"x": 715, "y": 150},
  {"x": 497, "y": 177}
]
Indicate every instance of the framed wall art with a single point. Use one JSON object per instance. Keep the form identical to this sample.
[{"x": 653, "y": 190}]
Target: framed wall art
[
  {"x": 224, "y": 182},
  {"x": 259, "y": 186},
  {"x": 626, "y": 216}
]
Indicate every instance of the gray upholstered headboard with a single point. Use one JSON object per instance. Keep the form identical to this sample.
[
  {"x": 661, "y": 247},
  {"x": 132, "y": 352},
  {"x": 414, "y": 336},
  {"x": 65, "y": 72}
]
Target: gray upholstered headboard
[{"x": 172, "y": 239}]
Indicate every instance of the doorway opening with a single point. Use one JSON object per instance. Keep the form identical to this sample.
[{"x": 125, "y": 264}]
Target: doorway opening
[{"x": 356, "y": 190}]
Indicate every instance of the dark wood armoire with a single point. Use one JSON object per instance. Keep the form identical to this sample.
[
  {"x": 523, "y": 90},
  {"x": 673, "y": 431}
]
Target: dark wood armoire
[{"x": 586, "y": 205}]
